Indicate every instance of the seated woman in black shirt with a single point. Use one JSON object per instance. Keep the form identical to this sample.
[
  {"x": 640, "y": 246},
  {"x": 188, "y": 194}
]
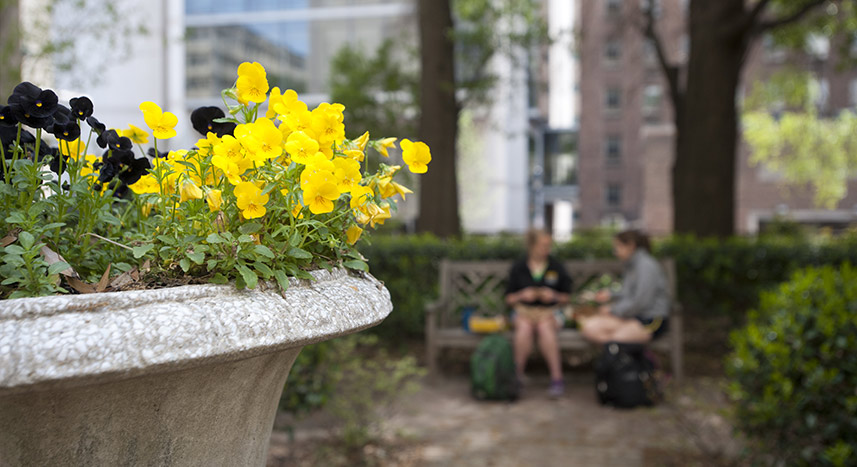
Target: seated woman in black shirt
[{"x": 538, "y": 285}]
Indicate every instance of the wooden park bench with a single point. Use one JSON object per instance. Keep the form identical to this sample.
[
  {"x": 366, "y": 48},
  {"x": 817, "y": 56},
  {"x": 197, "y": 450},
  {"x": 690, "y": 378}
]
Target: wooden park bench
[{"x": 481, "y": 284}]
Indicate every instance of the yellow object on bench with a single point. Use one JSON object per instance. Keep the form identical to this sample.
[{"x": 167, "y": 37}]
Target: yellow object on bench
[{"x": 487, "y": 324}]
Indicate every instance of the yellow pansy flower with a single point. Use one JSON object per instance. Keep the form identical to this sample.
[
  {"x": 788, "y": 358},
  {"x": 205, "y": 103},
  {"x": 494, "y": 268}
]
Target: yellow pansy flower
[
  {"x": 299, "y": 120},
  {"x": 214, "y": 199},
  {"x": 261, "y": 139},
  {"x": 252, "y": 83},
  {"x": 72, "y": 149},
  {"x": 353, "y": 234},
  {"x": 161, "y": 123},
  {"x": 386, "y": 144},
  {"x": 229, "y": 167},
  {"x": 136, "y": 134},
  {"x": 146, "y": 184},
  {"x": 355, "y": 154},
  {"x": 89, "y": 167},
  {"x": 416, "y": 155},
  {"x": 319, "y": 193},
  {"x": 361, "y": 141},
  {"x": 347, "y": 173},
  {"x": 206, "y": 145},
  {"x": 327, "y": 125},
  {"x": 360, "y": 195},
  {"x": 301, "y": 147},
  {"x": 190, "y": 190},
  {"x": 250, "y": 200}
]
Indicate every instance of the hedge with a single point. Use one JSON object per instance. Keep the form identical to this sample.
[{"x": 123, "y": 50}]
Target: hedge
[
  {"x": 715, "y": 276},
  {"x": 793, "y": 370}
]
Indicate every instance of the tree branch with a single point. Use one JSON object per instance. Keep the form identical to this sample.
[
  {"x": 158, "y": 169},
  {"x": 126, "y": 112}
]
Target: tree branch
[
  {"x": 762, "y": 26},
  {"x": 671, "y": 70}
]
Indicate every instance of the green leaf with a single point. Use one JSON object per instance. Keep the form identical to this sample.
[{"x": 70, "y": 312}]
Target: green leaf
[
  {"x": 282, "y": 279},
  {"x": 26, "y": 240},
  {"x": 218, "y": 279},
  {"x": 211, "y": 264},
  {"x": 250, "y": 227},
  {"x": 356, "y": 264},
  {"x": 298, "y": 253},
  {"x": 215, "y": 238},
  {"x": 15, "y": 250},
  {"x": 248, "y": 275},
  {"x": 140, "y": 251},
  {"x": 53, "y": 225},
  {"x": 196, "y": 257},
  {"x": 16, "y": 218},
  {"x": 245, "y": 239},
  {"x": 58, "y": 267},
  {"x": 264, "y": 269},
  {"x": 185, "y": 264},
  {"x": 264, "y": 251},
  {"x": 295, "y": 239}
]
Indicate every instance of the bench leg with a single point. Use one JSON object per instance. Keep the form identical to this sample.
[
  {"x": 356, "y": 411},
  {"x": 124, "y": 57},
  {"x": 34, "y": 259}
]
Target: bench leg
[{"x": 677, "y": 348}]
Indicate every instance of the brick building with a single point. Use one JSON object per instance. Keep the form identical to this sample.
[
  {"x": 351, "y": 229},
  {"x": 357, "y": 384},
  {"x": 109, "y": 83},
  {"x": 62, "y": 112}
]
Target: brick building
[{"x": 626, "y": 130}]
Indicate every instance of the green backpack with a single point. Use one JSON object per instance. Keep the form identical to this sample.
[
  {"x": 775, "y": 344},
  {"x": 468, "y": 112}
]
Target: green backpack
[{"x": 492, "y": 370}]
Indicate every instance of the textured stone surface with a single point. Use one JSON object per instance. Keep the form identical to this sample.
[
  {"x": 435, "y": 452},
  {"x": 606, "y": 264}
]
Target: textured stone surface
[
  {"x": 69, "y": 339},
  {"x": 181, "y": 376}
]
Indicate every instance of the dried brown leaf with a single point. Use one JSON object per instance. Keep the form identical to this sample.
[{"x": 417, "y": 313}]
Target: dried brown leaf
[
  {"x": 10, "y": 238},
  {"x": 79, "y": 285},
  {"x": 51, "y": 257},
  {"x": 105, "y": 280},
  {"x": 124, "y": 279}
]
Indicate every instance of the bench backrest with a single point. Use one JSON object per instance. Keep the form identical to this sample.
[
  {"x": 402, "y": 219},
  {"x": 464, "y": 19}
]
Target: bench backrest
[{"x": 482, "y": 284}]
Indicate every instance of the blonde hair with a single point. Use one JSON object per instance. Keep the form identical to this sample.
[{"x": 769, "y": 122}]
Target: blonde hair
[{"x": 533, "y": 235}]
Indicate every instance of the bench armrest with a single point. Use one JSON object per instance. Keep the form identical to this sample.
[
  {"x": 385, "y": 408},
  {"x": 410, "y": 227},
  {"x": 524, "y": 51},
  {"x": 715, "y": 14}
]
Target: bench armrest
[{"x": 435, "y": 306}]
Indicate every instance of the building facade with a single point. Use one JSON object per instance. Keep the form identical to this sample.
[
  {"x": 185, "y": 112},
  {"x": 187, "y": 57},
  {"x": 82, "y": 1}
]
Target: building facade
[{"x": 627, "y": 134}]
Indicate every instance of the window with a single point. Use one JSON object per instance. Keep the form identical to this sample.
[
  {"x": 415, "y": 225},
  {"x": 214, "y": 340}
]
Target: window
[
  {"x": 612, "y": 99},
  {"x": 613, "y": 150},
  {"x": 651, "y": 98},
  {"x": 614, "y": 7},
  {"x": 612, "y": 52},
  {"x": 613, "y": 195}
]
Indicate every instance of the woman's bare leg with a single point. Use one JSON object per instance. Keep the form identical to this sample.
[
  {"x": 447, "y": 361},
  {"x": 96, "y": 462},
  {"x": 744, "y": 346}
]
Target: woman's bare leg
[
  {"x": 523, "y": 343},
  {"x": 549, "y": 346}
]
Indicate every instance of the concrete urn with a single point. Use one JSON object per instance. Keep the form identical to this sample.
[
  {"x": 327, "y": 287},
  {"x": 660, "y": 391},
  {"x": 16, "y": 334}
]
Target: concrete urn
[{"x": 188, "y": 375}]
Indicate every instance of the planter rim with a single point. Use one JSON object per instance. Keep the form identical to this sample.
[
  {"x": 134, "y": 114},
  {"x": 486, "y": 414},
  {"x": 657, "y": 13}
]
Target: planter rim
[{"x": 71, "y": 340}]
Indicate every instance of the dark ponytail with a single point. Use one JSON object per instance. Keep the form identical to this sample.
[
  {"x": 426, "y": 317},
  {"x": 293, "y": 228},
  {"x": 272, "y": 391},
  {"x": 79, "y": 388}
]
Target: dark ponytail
[{"x": 636, "y": 238}]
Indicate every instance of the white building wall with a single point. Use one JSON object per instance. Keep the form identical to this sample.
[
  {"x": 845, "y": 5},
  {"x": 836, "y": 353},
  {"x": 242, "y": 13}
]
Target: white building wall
[{"x": 493, "y": 180}]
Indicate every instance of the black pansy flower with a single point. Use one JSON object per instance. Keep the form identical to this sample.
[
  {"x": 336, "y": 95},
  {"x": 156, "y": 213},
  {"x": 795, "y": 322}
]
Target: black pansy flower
[
  {"x": 33, "y": 101},
  {"x": 110, "y": 139},
  {"x": 133, "y": 170},
  {"x": 203, "y": 122},
  {"x": 96, "y": 126},
  {"x": 159, "y": 155},
  {"x": 28, "y": 119},
  {"x": 68, "y": 131},
  {"x": 7, "y": 118},
  {"x": 81, "y": 107}
]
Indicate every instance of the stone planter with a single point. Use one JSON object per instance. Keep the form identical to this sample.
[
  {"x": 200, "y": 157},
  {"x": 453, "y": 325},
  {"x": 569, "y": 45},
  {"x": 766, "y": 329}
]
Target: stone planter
[{"x": 181, "y": 376}]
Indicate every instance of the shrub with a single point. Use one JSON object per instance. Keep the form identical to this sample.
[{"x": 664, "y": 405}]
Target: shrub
[{"x": 794, "y": 369}]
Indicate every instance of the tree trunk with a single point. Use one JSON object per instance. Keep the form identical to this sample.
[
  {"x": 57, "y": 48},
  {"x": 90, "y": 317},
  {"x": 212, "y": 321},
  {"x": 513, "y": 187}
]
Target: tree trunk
[
  {"x": 10, "y": 48},
  {"x": 438, "y": 125},
  {"x": 704, "y": 170}
]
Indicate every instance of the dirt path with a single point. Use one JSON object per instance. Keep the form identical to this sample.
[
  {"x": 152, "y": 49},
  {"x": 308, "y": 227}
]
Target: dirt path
[{"x": 442, "y": 425}]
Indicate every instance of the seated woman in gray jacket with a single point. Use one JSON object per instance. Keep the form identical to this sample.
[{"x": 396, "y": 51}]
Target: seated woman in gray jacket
[{"x": 640, "y": 311}]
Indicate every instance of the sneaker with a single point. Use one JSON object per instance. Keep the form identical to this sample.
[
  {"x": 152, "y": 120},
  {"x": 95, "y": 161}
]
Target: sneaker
[{"x": 556, "y": 389}]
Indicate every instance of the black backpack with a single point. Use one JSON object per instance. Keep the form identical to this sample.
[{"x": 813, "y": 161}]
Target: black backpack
[
  {"x": 624, "y": 377},
  {"x": 492, "y": 370}
]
